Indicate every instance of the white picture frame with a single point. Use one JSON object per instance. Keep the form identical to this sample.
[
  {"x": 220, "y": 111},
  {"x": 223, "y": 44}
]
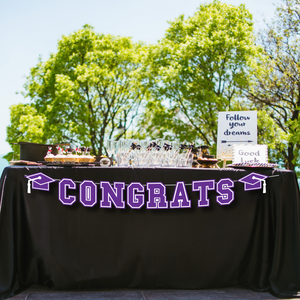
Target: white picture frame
[
  {"x": 250, "y": 154},
  {"x": 235, "y": 128}
]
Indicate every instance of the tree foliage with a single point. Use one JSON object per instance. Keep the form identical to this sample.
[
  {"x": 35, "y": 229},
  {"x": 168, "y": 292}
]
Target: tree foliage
[
  {"x": 86, "y": 88},
  {"x": 26, "y": 125},
  {"x": 196, "y": 71},
  {"x": 277, "y": 89}
]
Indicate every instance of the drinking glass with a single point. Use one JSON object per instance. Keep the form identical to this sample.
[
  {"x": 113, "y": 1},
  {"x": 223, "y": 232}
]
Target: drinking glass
[{"x": 109, "y": 146}]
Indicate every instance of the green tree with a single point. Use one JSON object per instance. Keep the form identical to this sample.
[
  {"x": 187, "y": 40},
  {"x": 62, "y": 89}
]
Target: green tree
[
  {"x": 270, "y": 134},
  {"x": 197, "y": 70},
  {"x": 87, "y": 87},
  {"x": 277, "y": 89},
  {"x": 26, "y": 125}
]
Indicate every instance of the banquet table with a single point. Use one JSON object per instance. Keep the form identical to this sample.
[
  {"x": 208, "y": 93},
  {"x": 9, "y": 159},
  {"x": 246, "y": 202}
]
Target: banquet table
[{"x": 178, "y": 228}]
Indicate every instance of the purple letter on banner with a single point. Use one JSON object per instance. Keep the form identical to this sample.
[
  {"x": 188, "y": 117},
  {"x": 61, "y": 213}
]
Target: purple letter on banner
[
  {"x": 110, "y": 194},
  {"x": 203, "y": 186},
  {"x": 223, "y": 188},
  {"x": 88, "y": 193},
  {"x": 156, "y": 195},
  {"x": 180, "y": 197},
  {"x": 62, "y": 191},
  {"x": 133, "y": 200}
]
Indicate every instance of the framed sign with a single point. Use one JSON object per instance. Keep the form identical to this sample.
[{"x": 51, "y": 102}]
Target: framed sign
[
  {"x": 235, "y": 128},
  {"x": 250, "y": 154}
]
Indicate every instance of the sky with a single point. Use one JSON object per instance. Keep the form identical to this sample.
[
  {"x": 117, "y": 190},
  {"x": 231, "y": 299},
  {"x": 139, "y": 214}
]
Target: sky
[{"x": 30, "y": 29}]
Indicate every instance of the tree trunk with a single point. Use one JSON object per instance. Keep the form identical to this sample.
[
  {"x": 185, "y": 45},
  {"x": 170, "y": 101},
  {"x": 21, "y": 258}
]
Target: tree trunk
[{"x": 289, "y": 164}]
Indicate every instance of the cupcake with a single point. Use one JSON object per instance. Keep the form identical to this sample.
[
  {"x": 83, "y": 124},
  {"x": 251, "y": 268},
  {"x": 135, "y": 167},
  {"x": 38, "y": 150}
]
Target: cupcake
[
  {"x": 83, "y": 158},
  {"x": 59, "y": 157},
  {"x": 76, "y": 156},
  {"x": 89, "y": 156},
  {"x": 92, "y": 159},
  {"x": 70, "y": 158},
  {"x": 49, "y": 156}
]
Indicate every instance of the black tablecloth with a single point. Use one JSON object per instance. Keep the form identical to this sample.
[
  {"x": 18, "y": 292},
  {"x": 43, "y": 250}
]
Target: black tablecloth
[{"x": 254, "y": 242}]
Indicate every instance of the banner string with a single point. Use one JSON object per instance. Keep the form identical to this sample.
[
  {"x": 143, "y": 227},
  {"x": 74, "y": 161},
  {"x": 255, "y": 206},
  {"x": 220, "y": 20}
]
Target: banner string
[{"x": 168, "y": 184}]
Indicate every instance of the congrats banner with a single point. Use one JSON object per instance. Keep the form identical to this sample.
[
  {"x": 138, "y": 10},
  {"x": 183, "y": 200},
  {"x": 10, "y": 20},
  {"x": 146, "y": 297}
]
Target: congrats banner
[{"x": 120, "y": 194}]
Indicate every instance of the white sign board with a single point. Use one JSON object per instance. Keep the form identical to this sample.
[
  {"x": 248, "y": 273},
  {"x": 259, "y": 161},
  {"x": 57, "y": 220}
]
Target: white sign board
[
  {"x": 250, "y": 154},
  {"x": 235, "y": 128}
]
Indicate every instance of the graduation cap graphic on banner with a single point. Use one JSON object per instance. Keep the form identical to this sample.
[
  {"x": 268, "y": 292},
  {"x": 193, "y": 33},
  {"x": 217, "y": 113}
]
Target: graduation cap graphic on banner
[
  {"x": 40, "y": 181},
  {"x": 253, "y": 181}
]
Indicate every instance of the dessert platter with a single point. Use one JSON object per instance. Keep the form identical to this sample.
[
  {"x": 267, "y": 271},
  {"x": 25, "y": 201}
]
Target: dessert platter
[
  {"x": 207, "y": 162},
  {"x": 69, "y": 157}
]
